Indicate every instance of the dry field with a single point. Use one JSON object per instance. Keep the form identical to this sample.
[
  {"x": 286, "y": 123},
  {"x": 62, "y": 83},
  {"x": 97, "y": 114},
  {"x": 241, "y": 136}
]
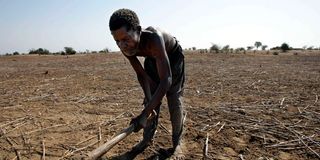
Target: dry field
[{"x": 249, "y": 106}]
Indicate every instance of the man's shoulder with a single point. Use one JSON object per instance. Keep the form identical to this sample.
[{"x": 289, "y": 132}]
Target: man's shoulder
[
  {"x": 151, "y": 32},
  {"x": 150, "y": 36},
  {"x": 151, "y": 29},
  {"x": 152, "y": 39}
]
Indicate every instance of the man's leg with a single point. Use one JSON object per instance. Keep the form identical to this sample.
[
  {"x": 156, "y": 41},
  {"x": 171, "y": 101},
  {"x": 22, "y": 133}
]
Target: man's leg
[
  {"x": 148, "y": 133},
  {"x": 176, "y": 117},
  {"x": 174, "y": 101}
]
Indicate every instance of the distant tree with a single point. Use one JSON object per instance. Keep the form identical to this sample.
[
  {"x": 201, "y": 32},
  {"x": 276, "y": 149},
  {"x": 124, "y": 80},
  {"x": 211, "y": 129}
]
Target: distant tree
[
  {"x": 249, "y": 48},
  {"x": 284, "y": 47},
  {"x": 40, "y": 51},
  {"x": 242, "y": 49},
  {"x": 237, "y": 50},
  {"x": 194, "y": 48},
  {"x": 107, "y": 50},
  {"x": 231, "y": 50},
  {"x": 263, "y": 47},
  {"x": 203, "y": 50},
  {"x": 32, "y": 51},
  {"x": 304, "y": 47},
  {"x": 257, "y": 44},
  {"x": 226, "y": 48},
  {"x": 56, "y": 53},
  {"x": 275, "y": 48},
  {"x": 16, "y": 53},
  {"x": 43, "y": 51},
  {"x": 310, "y": 48},
  {"x": 215, "y": 48},
  {"x": 69, "y": 50}
]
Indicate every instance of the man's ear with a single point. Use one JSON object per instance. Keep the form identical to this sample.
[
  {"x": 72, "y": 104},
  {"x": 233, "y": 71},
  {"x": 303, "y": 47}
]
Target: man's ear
[{"x": 139, "y": 28}]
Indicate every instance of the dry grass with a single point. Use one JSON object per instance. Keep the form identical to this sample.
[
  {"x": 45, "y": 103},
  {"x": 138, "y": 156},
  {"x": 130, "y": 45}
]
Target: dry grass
[{"x": 250, "y": 106}]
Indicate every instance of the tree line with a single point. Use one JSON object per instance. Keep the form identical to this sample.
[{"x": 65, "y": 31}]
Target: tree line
[
  {"x": 66, "y": 51},
  {"x": 214, "y": 48},
  {"x": 284, "y": 47}
]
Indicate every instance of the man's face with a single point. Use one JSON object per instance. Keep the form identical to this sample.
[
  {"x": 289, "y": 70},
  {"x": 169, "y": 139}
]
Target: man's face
[{"x": 127, "y": 41}]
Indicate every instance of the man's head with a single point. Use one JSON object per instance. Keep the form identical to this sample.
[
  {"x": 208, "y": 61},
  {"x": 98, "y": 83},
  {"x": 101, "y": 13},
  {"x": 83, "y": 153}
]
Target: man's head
[
  {"x": 124, "y": 17},
  {"x": 125, "y": 28}
]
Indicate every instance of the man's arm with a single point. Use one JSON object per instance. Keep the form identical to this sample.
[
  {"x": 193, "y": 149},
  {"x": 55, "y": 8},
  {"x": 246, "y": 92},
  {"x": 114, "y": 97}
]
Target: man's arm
[
  {"x": 163, "y": 65},
  {"x": 145, "y": 81}
]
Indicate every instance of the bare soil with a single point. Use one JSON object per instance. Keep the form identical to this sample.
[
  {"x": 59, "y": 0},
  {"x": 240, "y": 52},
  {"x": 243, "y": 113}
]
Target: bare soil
[{"x": 249, "y": 106}]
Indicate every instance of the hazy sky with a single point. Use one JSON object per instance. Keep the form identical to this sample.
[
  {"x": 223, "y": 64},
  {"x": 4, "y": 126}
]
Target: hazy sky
[{"x": 83, "y": 24}]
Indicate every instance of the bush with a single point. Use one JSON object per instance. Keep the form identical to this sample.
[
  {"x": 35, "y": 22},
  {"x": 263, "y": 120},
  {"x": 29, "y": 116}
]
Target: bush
[
  {"x": 264, "y": 47},
  {"x": 39, "y": 51},
  {"x": 257, "y": 44},
  {"x": 238, "y": 50},
  {"x": 275, "y": 53},
  {"x": 275, "y": 48},
  {"x": 215, "y": 48},
  {"x": 203, "y": 50},
  {"x": 284, "y": 47},
  {"x": 226, "y": 49},
  {"x": 16, "y": 53},
  {"x": 310, "y": 48},
  {"x": 105, "y": 50},
  {"x": 69, "y": 51}
]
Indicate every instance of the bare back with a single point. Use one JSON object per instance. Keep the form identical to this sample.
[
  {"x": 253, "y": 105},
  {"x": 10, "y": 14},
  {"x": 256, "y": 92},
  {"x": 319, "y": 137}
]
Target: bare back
[{"x": 145, "y": 45}]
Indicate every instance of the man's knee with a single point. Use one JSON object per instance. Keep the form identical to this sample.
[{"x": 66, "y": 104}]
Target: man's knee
[{"x": 174, "y": 100}]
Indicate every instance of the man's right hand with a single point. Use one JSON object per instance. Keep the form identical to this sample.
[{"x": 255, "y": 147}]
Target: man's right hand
[
  {"x": 139, "y": 122},
  {"x": 142, "y": 120}
]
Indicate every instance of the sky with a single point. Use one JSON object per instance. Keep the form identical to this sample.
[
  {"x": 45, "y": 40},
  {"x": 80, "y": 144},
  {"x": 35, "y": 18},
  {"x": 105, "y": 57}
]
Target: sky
[{"x": 83, "y": 24}]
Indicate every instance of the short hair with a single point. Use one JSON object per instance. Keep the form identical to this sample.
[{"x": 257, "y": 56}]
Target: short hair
[{"x": 124, "y": 17}]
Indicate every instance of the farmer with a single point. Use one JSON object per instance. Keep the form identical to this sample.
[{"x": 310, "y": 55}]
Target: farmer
[{"x": 162, "y": 74}]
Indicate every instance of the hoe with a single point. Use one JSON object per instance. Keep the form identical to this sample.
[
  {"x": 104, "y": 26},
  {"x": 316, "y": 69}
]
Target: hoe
[{"x": 100, "y": 151}]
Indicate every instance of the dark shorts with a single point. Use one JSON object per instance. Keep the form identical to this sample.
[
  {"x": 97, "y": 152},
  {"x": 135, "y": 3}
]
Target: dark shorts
[{"x": 176, "y": 59}]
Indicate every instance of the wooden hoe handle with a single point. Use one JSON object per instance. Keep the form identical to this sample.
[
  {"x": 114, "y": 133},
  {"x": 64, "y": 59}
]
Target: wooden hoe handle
[{"x": 98, "y": 152}]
